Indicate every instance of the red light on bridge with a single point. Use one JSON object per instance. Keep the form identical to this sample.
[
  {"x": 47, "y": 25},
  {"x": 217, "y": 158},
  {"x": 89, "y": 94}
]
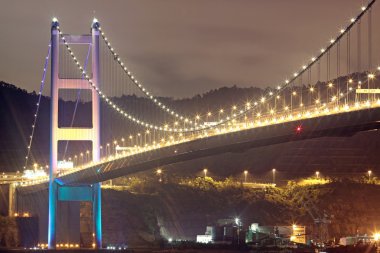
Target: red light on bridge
[{"x": 299, "y": 129}]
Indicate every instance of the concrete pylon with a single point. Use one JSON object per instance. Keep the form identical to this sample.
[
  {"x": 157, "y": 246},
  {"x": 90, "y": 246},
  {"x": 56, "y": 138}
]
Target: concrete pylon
[{"x": 58, "y": 191}]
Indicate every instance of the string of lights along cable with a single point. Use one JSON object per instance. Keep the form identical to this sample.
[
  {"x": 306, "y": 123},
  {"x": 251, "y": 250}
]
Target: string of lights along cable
[
  {"x": 35, "y": 116},
  {"x": 149, "y": 94},
  {"x": 330, "y": 83},
  {"x": 114, "y": 105},
  {"x": 249, "y": 106}
]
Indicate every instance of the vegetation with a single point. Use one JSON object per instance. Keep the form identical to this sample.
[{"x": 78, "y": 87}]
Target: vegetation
[
  {"x": 8, "y": 232},
  {"x": 181, "y": 208}
]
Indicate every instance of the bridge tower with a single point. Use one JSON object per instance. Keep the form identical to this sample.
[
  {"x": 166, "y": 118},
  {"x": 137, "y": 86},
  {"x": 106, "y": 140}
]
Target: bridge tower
[{"x": 57, "y": 190}]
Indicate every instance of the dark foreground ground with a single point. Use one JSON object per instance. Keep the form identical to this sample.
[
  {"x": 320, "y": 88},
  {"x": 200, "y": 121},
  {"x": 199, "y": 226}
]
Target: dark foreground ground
[{"x": 345, "y": 249}]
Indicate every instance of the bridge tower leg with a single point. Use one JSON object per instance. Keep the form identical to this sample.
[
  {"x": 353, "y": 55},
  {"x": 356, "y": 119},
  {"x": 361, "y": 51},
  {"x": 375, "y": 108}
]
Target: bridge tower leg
[
  {"x": 12, "y": 199},
  {"x": 57, "y": 191},
  {"x": 97, "y": 197}
]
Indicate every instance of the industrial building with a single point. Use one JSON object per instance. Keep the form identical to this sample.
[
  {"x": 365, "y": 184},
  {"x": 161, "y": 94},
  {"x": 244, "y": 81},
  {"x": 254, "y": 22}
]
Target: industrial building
[
  {"x": 257, "y": 234},
  {"x": 225, "y": 231}
]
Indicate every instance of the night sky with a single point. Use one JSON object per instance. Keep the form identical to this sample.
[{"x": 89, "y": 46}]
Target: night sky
[{"x": 178, "y": 48}]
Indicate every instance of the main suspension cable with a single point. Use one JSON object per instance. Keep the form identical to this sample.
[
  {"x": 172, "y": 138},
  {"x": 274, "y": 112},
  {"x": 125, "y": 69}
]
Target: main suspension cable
[{"x": 42, "y": 85}]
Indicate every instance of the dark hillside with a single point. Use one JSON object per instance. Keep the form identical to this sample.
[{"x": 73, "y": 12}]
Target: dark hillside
[{"x": 140, "y": 214}]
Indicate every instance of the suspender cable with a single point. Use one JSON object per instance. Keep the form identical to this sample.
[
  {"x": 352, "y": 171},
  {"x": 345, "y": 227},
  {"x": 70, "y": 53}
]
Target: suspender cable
[
  {"x": 359, "y": 49},
  {"x": 348, "y": 67},
  {"x": 370, "y": 49},
  {"x": 370, "y": 39},
  {"x": 338, "y": 71}
]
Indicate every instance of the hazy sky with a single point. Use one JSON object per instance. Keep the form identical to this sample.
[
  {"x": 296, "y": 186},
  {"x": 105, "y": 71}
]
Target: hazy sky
[{"x": 178, "y": 48}]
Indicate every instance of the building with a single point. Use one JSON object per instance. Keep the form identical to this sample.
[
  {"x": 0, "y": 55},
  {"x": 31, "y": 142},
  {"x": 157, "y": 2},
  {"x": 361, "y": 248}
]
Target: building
[
  {"x": 259, "y": 234},
  {"x": 225, "y": 231},
  {"x": 352, "y": 240}
]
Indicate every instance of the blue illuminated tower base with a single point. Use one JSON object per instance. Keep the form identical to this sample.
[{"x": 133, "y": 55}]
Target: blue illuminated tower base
[{"x": 57, "y": 190}]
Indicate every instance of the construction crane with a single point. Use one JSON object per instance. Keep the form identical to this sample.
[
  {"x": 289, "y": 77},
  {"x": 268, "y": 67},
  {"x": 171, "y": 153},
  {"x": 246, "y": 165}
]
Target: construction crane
[{"x": 321, "y": 221}]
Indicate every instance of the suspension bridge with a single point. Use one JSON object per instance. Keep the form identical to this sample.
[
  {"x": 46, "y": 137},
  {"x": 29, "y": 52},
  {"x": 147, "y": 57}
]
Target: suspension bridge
[{"x": 334, "y": 93}]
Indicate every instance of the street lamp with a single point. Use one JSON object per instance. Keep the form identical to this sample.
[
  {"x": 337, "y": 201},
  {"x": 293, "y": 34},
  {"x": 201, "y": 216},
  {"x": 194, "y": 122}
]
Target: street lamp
[
  {"x": 115, "y": 145},
  {"x": 245, "y": 176},
  {"x": 274, "y": 175},
  {"x": 221, "y": 111},
  {"x": 238, "y": 224},
  {"x": 147, "y": 132},
  {"x": 197, "y": 118},
  {"x": 131, "y": 138},
  {"x": 108, "y": 150},
  {"x": 233, "y": 109},
  {"x": 139, "y": 141},
  {"x": 159, "y": 172},
  {"x": 205, "y": 171},
  {"x": 317, "y": 174},
  {"x": 369, "y": 174}
]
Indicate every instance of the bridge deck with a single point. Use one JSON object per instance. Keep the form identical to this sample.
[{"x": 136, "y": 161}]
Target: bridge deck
[{"x": 342, "y": 124}]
